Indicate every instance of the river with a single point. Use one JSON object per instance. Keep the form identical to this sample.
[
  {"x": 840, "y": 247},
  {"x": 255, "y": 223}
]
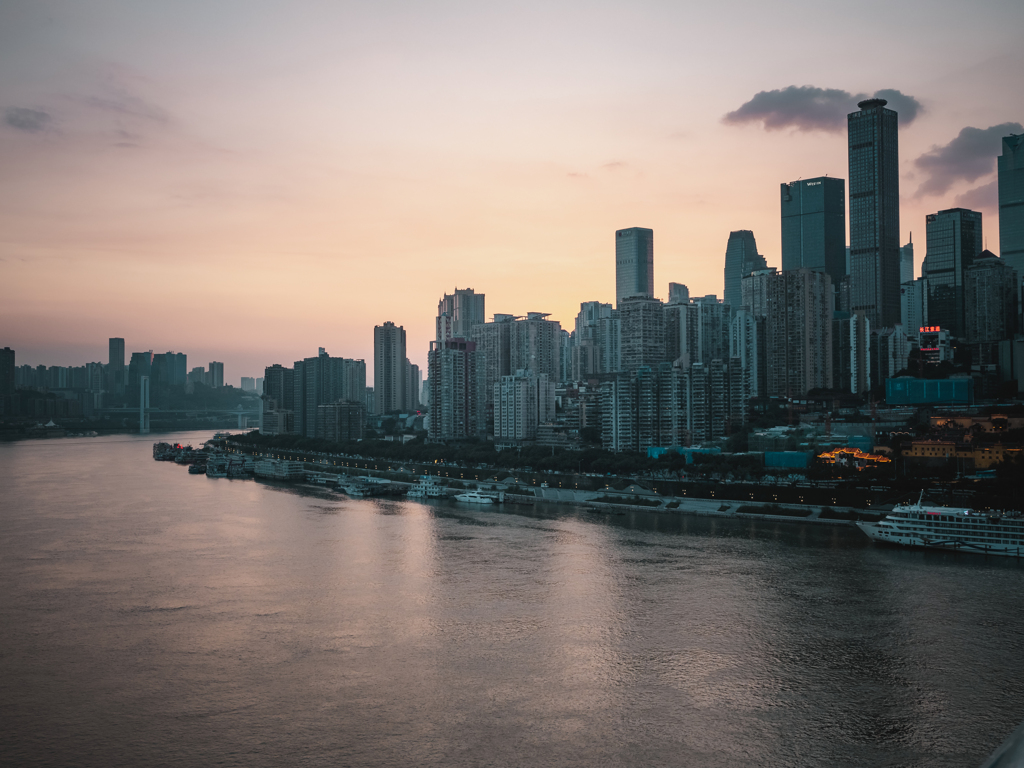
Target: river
[{"x": 152, "y": 617}]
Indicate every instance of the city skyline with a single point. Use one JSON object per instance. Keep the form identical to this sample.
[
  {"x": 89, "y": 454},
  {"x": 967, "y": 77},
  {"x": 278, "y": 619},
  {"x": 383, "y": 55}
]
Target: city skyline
[{"x": 147, "y": 177}]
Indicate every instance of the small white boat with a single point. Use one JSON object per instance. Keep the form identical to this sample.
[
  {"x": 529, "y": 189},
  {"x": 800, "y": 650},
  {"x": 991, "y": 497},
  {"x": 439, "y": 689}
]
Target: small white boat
[{"x": 474, "y": 498}]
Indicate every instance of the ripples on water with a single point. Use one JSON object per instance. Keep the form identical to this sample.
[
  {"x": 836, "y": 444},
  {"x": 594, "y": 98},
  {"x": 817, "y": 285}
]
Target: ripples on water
[{"x": 150, "y": 617}]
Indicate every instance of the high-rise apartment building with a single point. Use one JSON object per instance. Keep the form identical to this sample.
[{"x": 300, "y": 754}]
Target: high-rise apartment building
[
  {"x": 643, "y": 332},
  {"x": 457, "y": 397},
  {"x": 522, "y": 402},
  {"x": 7, "y": 369},
  {"x": 586, "y": 347},
  {"x": 458, "y": 312},
  {"x": 741, "y": 259},
  {"x": 682, "y": 333},
  {"x": 389, "y": 374},
  {"x": 851, "y": 353},
  {"x": 534, "y": 345},
  {"x": 746, "y": 349},
  {"x": 711, "y": 336},
  {"x": 990, "y": 305},
  {"x": 954, "y": 239},
  {"x": 116, "y": 374},
  {"x": 678, "y": 294},
  {"x": 754, "y": 291},
  {"x": 340, "y": 422},
  {"x": 323, "y": 380},
  {"x": 1011, "y": 202},
  {"x": 798, "y": 333},
  {"x": 140, "y": 364},
  {"x": 248, "y": 383},
  {"x": 914, "y": 304},
  {"x": 412, "y": 386},
  {"x": 216, "y": 373},
  {"x": 279, "y": 388},
  {"x": 169, "y": 368},
  {"x": 492, "y": 344},
  {"x": 634, "y": 263},
  {"x": 890, "y": 353},
  {"x": 874, "y": 213},
  {"x": 814, "y": 226},
  {"x": 610, "y": 338}
]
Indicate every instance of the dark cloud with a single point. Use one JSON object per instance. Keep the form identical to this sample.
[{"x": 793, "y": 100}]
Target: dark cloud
[
  {"x": 808, "y": 108},
  {"x": 803, "y": 107},
  {"x": 906, "y": 106},
  {"x": 126, "y": 104},
  {"x": 984, "y": 197},
  {"x": 968, "y": 157},
  {"x": 28, "y": 120}
]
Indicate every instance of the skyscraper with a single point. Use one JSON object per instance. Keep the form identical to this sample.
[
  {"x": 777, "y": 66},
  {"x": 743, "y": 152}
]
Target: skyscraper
[
  {"x": 741, "y": 258},
  {"x": 389, "y": 375},
  {"x": 907, "y": 262},
  {"x": 458, "y": 312},
  {"x": 953, "y": 241},
  {"x": 874, "y": 213},
  {"x": 115, "y": 366},
  {"x": 814, "y": 226},
  {"x": 990, "y": 305},
  {"x": 1011, "y": 202},
  {"x": 634, "y": 263}
]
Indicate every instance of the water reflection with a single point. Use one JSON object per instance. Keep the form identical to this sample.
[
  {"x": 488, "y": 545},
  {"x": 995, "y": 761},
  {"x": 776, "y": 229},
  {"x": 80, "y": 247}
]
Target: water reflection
[{"x": 150, "y": 616}]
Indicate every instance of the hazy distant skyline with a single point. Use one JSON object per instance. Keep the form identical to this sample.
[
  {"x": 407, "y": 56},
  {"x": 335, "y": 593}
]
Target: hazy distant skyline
[{"x": 246, "y": 182}]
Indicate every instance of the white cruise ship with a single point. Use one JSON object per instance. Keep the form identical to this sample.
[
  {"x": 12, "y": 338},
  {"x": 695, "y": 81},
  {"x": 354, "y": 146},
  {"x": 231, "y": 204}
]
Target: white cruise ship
[{"x": 918, "y": 525}]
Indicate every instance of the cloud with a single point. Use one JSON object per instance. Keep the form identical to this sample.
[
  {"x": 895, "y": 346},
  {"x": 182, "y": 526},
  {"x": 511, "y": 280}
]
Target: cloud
[
  {"x": 986, "y": 196},
  {"x": 122, "y": 103},
  {"x": 28, "y": 120},
  {"x": 614, "y": 165},
  {"x": 968, "y": 157},
  {"x": 906, "y": 106},
  {"x": 807, "y": 108}
]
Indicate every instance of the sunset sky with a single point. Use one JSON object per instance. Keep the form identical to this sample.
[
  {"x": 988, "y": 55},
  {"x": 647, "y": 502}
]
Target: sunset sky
[{"x": 248, "y": 181}]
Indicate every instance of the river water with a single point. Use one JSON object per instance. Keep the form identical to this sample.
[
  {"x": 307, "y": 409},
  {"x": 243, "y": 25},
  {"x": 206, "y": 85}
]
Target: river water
[{"x": 151, "y": 617}]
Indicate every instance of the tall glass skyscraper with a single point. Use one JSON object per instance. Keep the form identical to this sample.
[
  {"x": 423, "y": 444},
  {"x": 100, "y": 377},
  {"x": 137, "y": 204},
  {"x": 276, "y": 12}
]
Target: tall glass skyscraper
[
  {"x": 814, "y": 226},
  {"x": 1011, "y": 202},
  {"x": 953, "y": 241},
  {"x": 634, "y": 263},
  {"x": 907, "y": 262},
  {"x": 741, "y": 259},
  {"x": 874, "y": 213}
]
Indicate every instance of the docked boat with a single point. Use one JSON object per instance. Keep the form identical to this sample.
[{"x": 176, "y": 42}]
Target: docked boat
[
  {"x": 362, "y": 489},
  {"x": 472, "y": 497},
  {"x": 428, "y": 487},
  {"x": 921, "y": 525}
]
